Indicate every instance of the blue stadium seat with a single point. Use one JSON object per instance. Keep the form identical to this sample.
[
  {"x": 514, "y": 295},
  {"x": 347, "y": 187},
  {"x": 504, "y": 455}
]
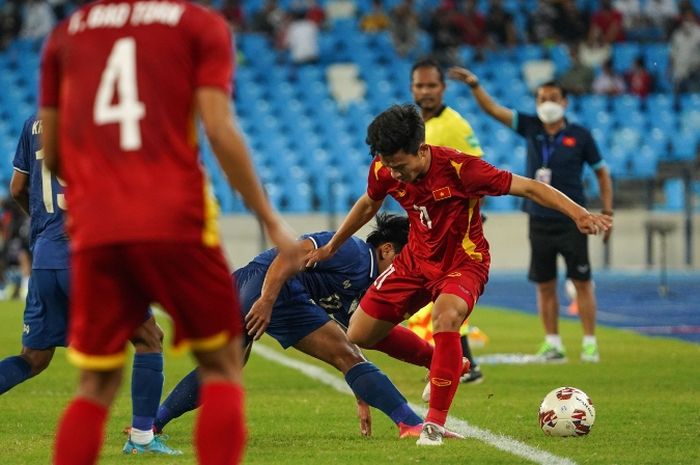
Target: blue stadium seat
[
  {"x": 624, "y": 54},
  {"x": 644, "y": 163},
  {"x": 689, "y": 102},
  {"x": 501, "y": 203},
  {"x": 684, "y": 145},
  {"x": 690, "y": 120},
  {"x": 626, "y": 137},
  {"x": 656, "y": 103},
  {"x": 674, "y": 194},
  {"x": 617, "y": 159},
  {"x": 626, "y": 104}
]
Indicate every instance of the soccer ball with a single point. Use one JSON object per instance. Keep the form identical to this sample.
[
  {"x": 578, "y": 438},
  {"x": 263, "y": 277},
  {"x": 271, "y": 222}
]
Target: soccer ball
[{"x": 566, "y": 411}]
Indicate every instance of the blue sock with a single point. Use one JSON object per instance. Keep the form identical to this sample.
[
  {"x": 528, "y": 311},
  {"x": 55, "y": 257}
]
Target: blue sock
[
  {"x": 374, "y": 387},
  {"x": 146, "y": 389},
  {"x": 13, "y": 371},
  {"x": 185, "y": 397}
]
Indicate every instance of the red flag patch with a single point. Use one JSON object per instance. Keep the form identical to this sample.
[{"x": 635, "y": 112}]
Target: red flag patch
[
  {"x": 569, "y": 141},
  {"x": 442, "y": 193}
]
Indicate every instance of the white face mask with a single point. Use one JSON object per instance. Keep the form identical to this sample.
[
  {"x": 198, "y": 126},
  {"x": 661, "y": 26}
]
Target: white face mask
[{"x": 550, "y": 112}]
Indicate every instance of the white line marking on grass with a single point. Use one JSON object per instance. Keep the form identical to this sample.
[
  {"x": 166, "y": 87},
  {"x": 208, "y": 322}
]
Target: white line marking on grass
[{"x": 498, "y": 441}]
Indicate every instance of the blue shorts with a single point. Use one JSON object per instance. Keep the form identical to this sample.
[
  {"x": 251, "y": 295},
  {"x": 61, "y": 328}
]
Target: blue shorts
[
  {"x": 294, "y": 315},
  {"x": 46, "y": 310}
]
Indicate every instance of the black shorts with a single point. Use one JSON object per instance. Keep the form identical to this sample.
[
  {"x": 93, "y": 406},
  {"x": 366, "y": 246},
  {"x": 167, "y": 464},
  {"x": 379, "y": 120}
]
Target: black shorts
[{"x": 549, "y": 238}]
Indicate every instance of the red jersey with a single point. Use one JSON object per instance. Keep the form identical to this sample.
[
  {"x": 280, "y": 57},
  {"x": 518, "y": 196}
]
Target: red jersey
[
  {"x": 122, "y": 75},
  {"x": 443, "y": 206}
]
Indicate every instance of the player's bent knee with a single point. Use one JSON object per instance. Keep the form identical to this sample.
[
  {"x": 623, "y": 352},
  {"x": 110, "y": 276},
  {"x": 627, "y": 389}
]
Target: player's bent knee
[{"x": 38, "y": 360}]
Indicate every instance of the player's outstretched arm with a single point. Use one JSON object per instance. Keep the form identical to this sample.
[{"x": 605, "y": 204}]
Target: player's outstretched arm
[
  {"x": 364, "y": 210},
  {"x": 547, "y": 196},
  {"x": 281, "y": 269},
  {"x": 230, "y": 149},
  {"x": 488, "y": 104}
]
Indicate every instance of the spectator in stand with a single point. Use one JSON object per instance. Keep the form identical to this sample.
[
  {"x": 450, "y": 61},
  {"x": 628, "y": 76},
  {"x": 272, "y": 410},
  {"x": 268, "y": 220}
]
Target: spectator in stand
[
  {"x": 472, "y": 24},
  {"x": 578, "y": 79},
  {"x": 302, "y": 39},
  {"x": 685, "y": 53},
  {"x": 571, "y": 24},
  {"x": 541, "y": 22},
  {"x": 446, "y": 35},
  {"x": 594, "y": 51},
  {"x": 234, "y": 14},
  {"x": 639, "y": 80},
  {"x": 269, "y": 20},
  {"x": 607, "y": 22},
  {"x": 608, "y": 82},
  {"x": 10, "y": 23},
  {"x": 500, "y": 25},
  {"x": 315, "y": 13},
  {"x": 405, "y": 26},
  {"x": 631, "y": 11},
  {"x": 38, "y": 20},
  {"x": 376, "y": 20},
  {"x": 661, "y": 13}
]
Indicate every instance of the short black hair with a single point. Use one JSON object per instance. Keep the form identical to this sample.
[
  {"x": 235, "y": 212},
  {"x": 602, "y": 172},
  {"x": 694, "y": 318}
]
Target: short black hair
[
  {"x": 553, "y": 84},
  {"x": 428, "y": 63},
  {"x": 400, "y": 127},
  {"x": 389, "y": 228}
]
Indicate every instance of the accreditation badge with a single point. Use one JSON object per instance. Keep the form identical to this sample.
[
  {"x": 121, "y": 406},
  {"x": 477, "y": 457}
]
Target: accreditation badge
[{"x": 544, "y": 175}]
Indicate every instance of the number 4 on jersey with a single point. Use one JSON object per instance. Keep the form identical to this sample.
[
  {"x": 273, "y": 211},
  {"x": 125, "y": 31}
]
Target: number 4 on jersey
[{"x": 120, "y": 73}]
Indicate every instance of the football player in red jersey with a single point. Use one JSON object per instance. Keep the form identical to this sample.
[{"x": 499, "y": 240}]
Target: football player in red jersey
[
  {"x": 447, "y": 257},
  {"x": 122, "y": 83}
]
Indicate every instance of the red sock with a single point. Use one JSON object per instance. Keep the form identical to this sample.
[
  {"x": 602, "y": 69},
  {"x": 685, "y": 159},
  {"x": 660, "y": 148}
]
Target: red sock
[
  {"x": 444, "y": 375},
  {"x": 80, "y": 433},
  {"x": 403, "y": 344},
  {"x": 220, "y": 433}
]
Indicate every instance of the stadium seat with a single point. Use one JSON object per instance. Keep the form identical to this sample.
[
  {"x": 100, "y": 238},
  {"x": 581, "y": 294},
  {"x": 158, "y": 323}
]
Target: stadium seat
[
  {"x": 690, "y": 120},
  {"x": 656, "y": 103},
  {"x": 644, "y": 163},
  {"x": 688, "y": 102},
  {"x": 501, "y": 203},
  {"x": 674, "y": 194},
  {"x": 624, "y": 54},
  {"x": 684, "y": 145}
]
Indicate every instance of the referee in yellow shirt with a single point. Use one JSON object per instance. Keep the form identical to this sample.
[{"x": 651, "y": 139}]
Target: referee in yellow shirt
[{"x": 443, "y": 127}]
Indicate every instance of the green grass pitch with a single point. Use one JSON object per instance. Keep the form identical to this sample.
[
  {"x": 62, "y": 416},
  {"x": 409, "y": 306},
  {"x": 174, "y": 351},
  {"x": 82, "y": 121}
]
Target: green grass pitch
[{"x": 646, "y": 392}]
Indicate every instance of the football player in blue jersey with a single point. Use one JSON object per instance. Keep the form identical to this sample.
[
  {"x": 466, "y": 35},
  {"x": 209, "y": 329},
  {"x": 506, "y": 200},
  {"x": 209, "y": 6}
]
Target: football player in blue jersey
[
  {"x": 309, "y": 311},
  {"x": 40, "y": 194}
]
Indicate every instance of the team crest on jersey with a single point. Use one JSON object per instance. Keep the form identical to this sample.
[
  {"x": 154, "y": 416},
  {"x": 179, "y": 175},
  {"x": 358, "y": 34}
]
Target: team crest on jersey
[
  {"x": 568, "y": 141},
  {"x": 442, "y": 193},
  {"x": 455, "y": 274},
  {"x": 400, "y": 193}
]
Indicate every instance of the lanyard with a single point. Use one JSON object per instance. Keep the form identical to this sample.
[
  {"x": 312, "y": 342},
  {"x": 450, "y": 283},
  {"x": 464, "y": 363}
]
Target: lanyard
[{"x": 548, "y": 148}]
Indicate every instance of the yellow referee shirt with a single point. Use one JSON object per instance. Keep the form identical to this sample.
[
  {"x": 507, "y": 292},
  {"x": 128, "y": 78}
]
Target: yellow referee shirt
[{"x": 449, "y": 129}]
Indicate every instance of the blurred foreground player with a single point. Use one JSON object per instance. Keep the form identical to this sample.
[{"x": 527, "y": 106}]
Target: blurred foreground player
[
  {"x": 40, "y": 194},
  {"x": 447, "y": 258},
  {"x": 121, "y": 84}
]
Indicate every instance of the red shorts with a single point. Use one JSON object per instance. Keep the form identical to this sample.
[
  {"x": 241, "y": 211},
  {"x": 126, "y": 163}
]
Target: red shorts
[
  {"x": 113, "y": 286},
  {"x": 409, "y": 285}
]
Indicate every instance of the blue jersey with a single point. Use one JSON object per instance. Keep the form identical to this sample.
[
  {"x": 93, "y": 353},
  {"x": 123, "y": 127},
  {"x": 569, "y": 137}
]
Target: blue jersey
[
  {"x": 335, "y": 284},
  {"x": 48, "y": 241}
]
